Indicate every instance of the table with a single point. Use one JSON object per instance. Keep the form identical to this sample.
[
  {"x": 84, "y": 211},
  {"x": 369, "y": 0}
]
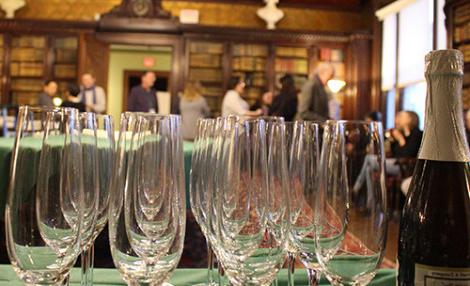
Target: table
[
  {"x": 185, "y": 277},
  {"x": 6, "y": 146}
]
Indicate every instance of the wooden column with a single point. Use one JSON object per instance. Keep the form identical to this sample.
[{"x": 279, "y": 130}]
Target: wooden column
[{"x": 358, "y": 100}]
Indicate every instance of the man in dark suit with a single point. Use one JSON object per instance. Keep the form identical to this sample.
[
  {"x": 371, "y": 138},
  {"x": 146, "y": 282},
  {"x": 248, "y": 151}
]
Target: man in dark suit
[
  {"x": 143, "y": 98},
  {"x": 313, "y": 99}
]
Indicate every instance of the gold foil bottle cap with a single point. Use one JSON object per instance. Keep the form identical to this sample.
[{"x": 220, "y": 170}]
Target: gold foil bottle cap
[{"x": 444, "y": 62}]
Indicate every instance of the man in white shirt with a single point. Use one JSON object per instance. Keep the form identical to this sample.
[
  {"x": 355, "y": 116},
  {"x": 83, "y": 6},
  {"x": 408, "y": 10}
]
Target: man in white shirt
[{"x": 92, "y": 96}]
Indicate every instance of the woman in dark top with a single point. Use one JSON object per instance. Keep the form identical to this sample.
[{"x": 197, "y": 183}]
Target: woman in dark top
[
  {"x": 72, "y": 100},
  {"x": 285, "y": 103},
  {"x": 406, "y": 137}
]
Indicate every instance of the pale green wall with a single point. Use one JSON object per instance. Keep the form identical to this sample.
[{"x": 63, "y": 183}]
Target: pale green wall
[{"x": 121, "y": 60}]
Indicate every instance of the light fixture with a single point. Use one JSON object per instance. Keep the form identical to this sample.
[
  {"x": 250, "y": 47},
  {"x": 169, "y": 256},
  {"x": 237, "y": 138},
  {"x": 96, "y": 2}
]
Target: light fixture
[
  {"x": 335, "y": 85},
  {"x": 57, "y": 101}
]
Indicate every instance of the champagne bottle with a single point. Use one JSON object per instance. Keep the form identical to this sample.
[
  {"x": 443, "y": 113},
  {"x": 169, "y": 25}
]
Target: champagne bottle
[{"x": 434, "y": 243}]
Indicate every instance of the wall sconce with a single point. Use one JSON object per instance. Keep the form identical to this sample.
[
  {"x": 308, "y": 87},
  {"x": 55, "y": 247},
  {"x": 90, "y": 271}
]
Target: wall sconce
[{"x": 335, "y": 85}]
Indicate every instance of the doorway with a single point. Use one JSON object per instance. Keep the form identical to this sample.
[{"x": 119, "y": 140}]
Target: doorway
[{"x": 132, "y": 79}]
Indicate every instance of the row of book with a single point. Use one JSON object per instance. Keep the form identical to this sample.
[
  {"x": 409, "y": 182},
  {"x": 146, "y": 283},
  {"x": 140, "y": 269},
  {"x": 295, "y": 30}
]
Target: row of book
[
  {"x": 27, "y": 55},
  {"x": 462, "y": 14},
  {"x": 213, "y": 91},
  {"x": 250, "y": 50},
  {"x": 331, "y": 55},
  {"x": 462, "y": 33},
  {"x": 25, "y": 97},
  {"x": 26, "y": 85},
  {"x": 209, "y": 48},
  {"x": 465, "y": 49},
  {"x": 205, "y": 60},
  {"x": 248, "y": 64},
  {"x": 466, "y": 79},
  {"x": 65, "y": 71},
  {"x": 26, "y": 69},
  {"x": 292, "y": 52},
  {"x": 66, "y": 56},
  {"x": 294, "y": 66},
  {"x": 66, "y": 43},
  {"x": 466, "y": 98},
  {"x": 207, "y": 75},
  {"x": 28, "y": 42}
]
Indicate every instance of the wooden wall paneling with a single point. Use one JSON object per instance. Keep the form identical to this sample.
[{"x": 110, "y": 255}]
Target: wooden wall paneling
[
  {"x": 377, "y": 102},
  {"x": 358, "y": 95},
  {"x": 94, "y": 58}
]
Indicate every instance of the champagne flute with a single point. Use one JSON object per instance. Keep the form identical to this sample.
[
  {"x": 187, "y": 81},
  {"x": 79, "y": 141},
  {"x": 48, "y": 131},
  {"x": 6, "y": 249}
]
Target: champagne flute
[
  {"x": 200, "y": 183},
  {"x": 251, "y": 222},
  {"x": 303, "y": 168},
  {"x": 45, "y": 201},
  {"x": 134, "y": 269},
  {"x": 105, "y": 160},
  {"x": 350, "y": 236}
]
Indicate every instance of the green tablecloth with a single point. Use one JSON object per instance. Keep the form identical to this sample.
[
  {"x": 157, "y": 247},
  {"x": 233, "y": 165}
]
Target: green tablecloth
[
  {"x": 6, "y": 146},
  {"x": 184, "y": 277}
]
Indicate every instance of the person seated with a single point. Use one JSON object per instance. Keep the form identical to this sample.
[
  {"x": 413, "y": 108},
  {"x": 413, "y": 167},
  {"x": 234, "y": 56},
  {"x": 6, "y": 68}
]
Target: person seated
[
  {"x": 72, "y": 99},
  {"x": 405, "y": 141}
]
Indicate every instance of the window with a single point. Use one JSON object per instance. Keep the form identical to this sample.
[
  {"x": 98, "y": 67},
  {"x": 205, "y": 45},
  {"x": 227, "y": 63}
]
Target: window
[
  {"x": 408, "y": 28},
  {"x": 414, "y": 98}
]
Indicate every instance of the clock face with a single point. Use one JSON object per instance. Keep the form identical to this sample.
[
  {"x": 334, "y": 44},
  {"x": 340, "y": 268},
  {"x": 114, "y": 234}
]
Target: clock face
[{"x": 141, "y": 7}]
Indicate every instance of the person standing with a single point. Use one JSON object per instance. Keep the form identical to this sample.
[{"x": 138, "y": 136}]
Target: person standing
[
  {"x": 193, "y": 106},
  {"x": 234, "y": 104},
  {"x": 91, "y": 95},
  {"x": 285, "y": 103},
  {"x": 143, "y": 98},
  {"x": 313, "y": 99},
  {"x": 72, "y": 93},
  {"x": 49, "y": 91}
]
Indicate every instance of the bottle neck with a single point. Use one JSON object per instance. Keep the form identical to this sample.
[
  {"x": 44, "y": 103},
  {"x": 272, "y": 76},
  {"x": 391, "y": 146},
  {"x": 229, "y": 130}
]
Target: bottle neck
[{"x": 444, "y": 133}]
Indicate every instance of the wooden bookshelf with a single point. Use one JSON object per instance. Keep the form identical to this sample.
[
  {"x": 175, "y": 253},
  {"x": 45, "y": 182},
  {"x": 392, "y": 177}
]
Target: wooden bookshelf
[
  {"x": 65, "y": 64},
  {"x": 293, "y": 61},
  {"x": 249, "y": 61},
  {"x": 27, "y": 67},
  {"x": 205, "y": 66},
  {"x": 34, "y": 58},
  {"x": 458, "y": 14}
]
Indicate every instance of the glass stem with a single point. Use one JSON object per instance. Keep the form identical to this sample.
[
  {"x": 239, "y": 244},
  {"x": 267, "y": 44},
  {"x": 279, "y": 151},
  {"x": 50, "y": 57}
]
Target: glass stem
[
  {"x": 313, "y": 277},
  {"x": 87, "y": 266},
  {"x": 291, "y": 269},
  {"x": 210, "y": 264},
  {"x": 221, "y": 272}
]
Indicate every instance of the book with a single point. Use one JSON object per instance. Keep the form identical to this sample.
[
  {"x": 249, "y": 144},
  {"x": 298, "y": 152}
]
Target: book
[
  {"x": 209, "y": 48},
  {"x": 27, "y": 55}
]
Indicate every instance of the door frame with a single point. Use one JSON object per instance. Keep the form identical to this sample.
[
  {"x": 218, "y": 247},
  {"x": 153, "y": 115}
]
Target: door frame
[{"x": 174, "y": 41}]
